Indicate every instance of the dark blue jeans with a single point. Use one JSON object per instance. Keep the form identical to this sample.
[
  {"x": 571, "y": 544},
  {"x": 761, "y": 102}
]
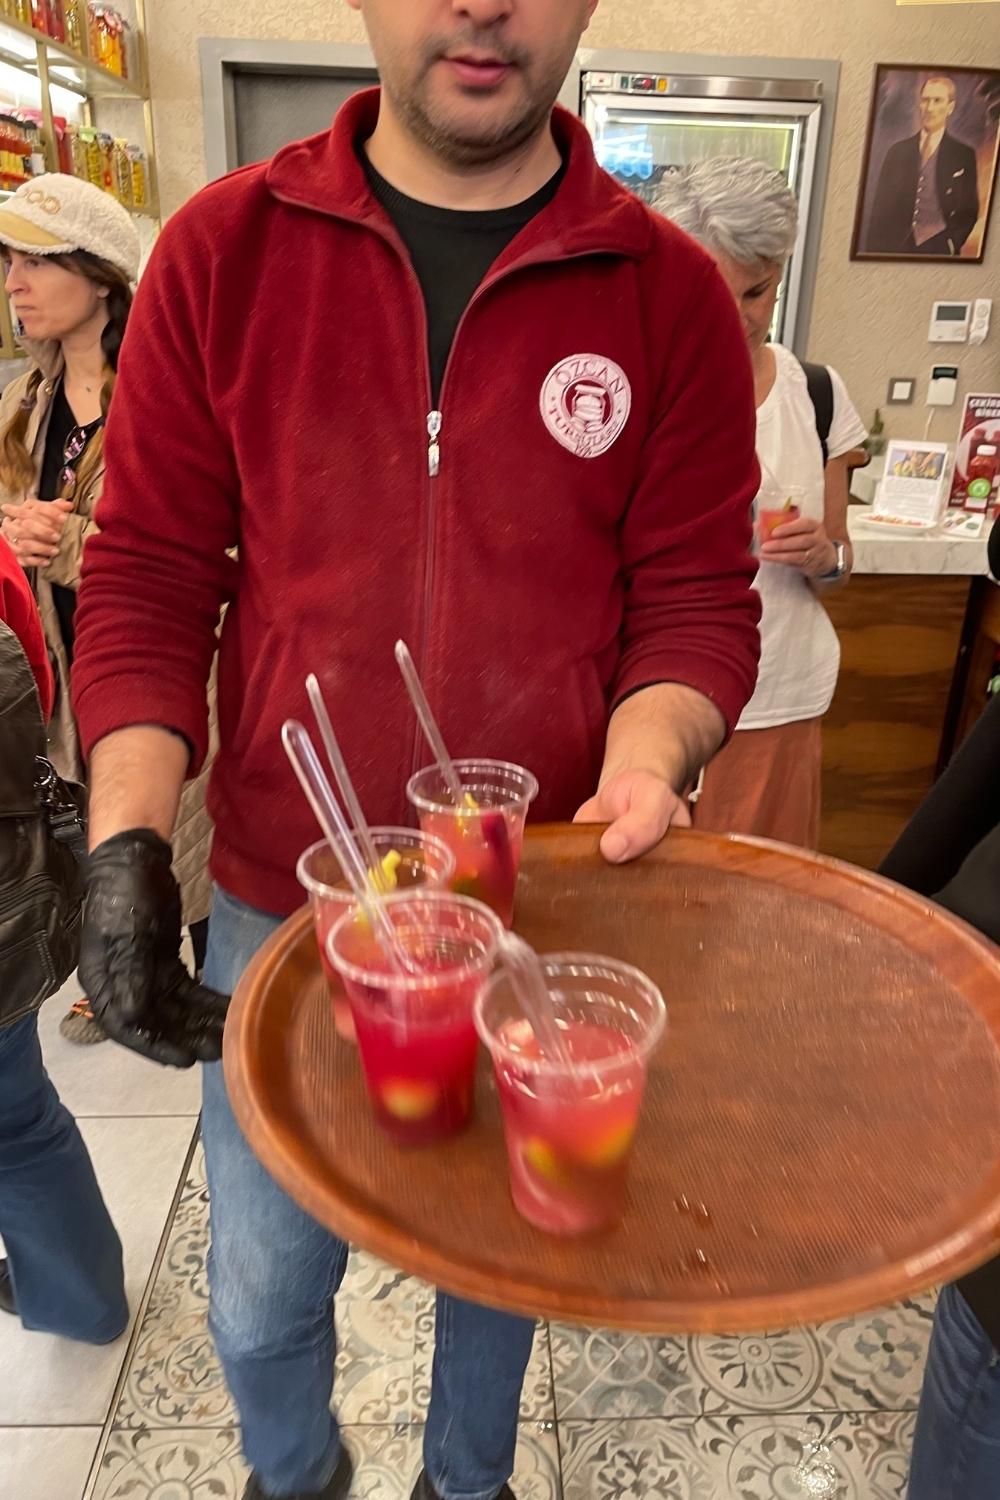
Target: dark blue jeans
[
  {"x": 956, "y": 1450},
  {"x": 65, "y": 1257},
  {"x": 273, "y": 1274}
]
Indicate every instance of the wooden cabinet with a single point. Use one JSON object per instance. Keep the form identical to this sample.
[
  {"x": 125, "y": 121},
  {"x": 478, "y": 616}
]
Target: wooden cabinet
[{"x": 905, "y": 644}]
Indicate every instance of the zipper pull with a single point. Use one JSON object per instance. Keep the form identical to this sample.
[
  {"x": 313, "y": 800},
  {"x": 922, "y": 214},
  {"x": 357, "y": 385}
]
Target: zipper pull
[{"x": 434, "y": 423}]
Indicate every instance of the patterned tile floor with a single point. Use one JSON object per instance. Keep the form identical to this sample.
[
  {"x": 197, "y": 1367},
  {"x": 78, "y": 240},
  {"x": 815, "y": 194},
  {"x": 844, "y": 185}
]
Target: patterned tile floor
[{"x": 605, "y": 1416}]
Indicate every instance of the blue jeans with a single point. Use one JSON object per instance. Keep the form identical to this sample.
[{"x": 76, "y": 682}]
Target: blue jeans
[
  {"x": 956, "y": 1450},
  {"x": 65, "y": 1259},
  {"x": 273, "y": 1274}
]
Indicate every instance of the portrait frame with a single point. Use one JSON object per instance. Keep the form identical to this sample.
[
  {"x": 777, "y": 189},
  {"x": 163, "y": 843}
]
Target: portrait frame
[{"x": 884, "y": 224}]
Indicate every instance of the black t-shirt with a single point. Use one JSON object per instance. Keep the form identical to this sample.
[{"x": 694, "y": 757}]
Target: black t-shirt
[
  {"x": 61, "y": 423},
  {"x": 451, "y": 251}
]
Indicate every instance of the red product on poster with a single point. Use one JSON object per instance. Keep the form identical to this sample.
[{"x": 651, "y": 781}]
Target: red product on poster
[{"x": 980, "y": 427}]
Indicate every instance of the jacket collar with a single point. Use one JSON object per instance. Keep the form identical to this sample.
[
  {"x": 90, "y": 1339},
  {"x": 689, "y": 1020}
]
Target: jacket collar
[
  {"x": 46, "y": 354},
  {"x": 591, "y": 213}
]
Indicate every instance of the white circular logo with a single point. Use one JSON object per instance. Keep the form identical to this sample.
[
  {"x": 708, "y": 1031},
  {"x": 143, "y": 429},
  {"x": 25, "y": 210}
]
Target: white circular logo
[{"x": 585, "y": 403}]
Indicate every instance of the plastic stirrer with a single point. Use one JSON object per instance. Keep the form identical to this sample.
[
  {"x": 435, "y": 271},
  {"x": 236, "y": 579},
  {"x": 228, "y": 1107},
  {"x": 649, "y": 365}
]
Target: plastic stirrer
[
  {"x": 312, "y": 778},
  {"x": 528, "y": 983},
  {"x": 341, "y": 775},
  {"x": 428, "y": 723}
]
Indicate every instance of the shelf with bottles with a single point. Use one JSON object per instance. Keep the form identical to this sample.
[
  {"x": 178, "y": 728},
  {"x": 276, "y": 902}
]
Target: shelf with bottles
[
  {"x": 115, "y": 165},
  {"x": 89, "y": 48}
]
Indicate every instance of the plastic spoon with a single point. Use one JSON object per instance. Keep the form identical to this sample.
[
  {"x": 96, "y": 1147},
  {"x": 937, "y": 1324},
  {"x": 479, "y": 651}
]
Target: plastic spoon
[
  {"x": 428, "y": 723},
  {"x": 312, "y": 778},
  {"x": 528, "y": 983},
  {"x": 341, "y": 775}
]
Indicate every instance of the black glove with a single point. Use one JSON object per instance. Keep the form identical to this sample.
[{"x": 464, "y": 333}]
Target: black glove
[{"x": 130, "y": 968}]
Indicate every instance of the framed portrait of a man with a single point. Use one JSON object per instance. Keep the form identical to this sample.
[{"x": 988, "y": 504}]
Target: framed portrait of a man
[{"x": 930, "y": 165}]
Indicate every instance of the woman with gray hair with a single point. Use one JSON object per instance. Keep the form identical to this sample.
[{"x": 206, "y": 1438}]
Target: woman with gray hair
[{"x": 767, "y": 779}]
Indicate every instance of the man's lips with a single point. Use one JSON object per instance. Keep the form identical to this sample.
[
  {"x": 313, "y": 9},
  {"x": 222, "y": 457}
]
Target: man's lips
[{"x": 478, "y": 70}]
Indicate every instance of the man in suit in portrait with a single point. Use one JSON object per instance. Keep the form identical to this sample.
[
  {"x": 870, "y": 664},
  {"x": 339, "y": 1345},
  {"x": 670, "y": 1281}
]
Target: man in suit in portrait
[{"x": 927, "y": 200}]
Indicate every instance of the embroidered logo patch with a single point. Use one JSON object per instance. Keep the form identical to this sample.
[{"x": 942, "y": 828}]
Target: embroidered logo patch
[{"x": 585, "y": 403}]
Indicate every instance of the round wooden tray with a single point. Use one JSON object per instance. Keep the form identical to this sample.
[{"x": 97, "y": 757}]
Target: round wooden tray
[{"x": 821, "y": 1132}]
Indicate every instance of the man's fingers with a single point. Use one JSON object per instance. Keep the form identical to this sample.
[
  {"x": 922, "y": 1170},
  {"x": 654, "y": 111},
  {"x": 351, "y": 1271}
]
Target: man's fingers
[
  {"x": 149, "y": 1044},
  {"x": 591, "y": 812},
  {"x": 652, "y": 810}
]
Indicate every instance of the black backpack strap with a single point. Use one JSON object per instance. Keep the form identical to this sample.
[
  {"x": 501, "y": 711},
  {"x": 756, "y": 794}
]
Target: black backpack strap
[{"x": 820, "y": 383}]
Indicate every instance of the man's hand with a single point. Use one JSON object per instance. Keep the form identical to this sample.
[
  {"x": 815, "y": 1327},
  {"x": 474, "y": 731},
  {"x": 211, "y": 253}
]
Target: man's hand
[
  {"x": 658, "y": 741},
  {"x": 34, "y": 529},
  {"x": 640, "y": 807},
  {"x": 142, "y": 995}
]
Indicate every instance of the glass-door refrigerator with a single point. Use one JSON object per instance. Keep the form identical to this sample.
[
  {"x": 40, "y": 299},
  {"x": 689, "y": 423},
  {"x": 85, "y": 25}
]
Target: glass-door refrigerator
[{"x": 646, "y": 124}]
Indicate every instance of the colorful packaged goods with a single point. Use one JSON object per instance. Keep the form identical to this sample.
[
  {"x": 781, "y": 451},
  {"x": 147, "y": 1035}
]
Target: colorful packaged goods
[
  {"x": 140, "y": 181},
  {"x": 76, "y": 25},
  {"x": 15, "y": 150},
  {"x": 106, "y": 147},
  {"x": 122, "y": 186},
  {"x": 106, "y": 31}
]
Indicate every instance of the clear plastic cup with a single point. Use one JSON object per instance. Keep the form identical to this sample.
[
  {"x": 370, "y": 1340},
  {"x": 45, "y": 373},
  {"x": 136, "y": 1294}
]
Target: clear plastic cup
[
  {"x": 423, "y": 861},
  {"x": 415, "y": 1032},
  {"x": 487, "y": 835},
  {"x": 569, "y": 1130},
  {"x": 776, "y": 505}
]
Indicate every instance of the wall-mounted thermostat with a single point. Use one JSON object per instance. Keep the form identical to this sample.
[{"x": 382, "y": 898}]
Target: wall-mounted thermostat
[{"x": 950, "y": 322}]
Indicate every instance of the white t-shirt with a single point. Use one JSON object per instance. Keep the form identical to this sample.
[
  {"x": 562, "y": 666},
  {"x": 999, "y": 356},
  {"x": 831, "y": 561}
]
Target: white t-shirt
[{"x": 800, "y": 653}]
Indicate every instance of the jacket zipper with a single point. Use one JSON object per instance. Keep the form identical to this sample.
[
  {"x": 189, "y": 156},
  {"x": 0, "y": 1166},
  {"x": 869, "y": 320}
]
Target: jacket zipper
[
  {"x": 435, "y": 422},
  {"x": 435, "y": 414}
]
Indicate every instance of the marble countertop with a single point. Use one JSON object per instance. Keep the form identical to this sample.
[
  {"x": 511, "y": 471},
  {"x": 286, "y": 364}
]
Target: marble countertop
[{"x": 877, "y": 550}]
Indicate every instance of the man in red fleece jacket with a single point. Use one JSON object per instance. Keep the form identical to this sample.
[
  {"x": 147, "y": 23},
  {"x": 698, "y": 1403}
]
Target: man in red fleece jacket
[{"x": 435, "y": 376}]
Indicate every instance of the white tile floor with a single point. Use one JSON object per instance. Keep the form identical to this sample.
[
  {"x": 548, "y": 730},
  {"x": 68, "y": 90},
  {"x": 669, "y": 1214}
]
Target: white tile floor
[
  {"x": 138, "y": 1122},
  {"x": 604, "y": 1416}
]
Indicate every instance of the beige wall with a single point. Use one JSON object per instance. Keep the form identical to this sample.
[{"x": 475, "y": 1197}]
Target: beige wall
[{"x": 869, "y": 320}]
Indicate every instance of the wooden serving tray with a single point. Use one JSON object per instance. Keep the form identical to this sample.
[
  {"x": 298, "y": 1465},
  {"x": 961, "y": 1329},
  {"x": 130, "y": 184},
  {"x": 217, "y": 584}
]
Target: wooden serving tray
[{"x": 821, "y": 1132}]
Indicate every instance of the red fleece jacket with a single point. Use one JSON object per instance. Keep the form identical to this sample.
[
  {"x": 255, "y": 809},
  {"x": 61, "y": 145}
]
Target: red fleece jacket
[
  {"x": 586, "y": 532},
  {"x": 19, "y": 611}
]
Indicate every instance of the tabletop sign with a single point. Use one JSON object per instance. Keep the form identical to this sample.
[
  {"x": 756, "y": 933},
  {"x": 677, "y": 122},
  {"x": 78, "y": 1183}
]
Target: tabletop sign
[{"x": 916, "y": 483}]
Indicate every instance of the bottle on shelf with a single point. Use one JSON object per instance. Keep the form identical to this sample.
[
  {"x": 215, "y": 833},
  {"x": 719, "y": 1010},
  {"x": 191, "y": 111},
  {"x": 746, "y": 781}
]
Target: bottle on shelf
[
  {"x": 75, "y": 14},
  {"x": 106, "y": 31}
]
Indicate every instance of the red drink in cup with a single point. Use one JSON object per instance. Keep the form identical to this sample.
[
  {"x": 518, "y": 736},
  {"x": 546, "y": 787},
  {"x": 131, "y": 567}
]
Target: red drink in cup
[
  {"x": 407, "y": 859},
  {"x": 415, "y": 1031},
  {"x": 486, "y": 833},
  {"x": 776, "y": 505},
  {"x": 569, "y": 1129}
]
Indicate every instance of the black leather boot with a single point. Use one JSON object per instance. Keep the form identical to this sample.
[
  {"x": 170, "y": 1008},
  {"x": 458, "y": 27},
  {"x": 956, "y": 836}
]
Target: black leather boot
[
  {"x": 338, "y": 1488},
  {"x": 7, "y": 1303},
  {"x": 424, "y": 1490}
]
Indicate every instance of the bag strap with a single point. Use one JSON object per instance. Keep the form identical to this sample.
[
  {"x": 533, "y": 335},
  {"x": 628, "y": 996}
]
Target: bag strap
[
  {"x": 820, "y": 384},
  {"x": 22, "y": 731}
]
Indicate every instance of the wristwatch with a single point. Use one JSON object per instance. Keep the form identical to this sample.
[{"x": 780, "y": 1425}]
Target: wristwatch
[{"x": 842, "y": 567}]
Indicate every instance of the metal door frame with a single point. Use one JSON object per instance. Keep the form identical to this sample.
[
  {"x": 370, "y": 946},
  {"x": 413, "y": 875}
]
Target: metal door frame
[{"x": 222, "y": 57}]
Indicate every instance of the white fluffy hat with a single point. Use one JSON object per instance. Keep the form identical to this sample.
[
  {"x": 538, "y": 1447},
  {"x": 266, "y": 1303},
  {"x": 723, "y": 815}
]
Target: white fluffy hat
[{"x": 55, "y": 214}]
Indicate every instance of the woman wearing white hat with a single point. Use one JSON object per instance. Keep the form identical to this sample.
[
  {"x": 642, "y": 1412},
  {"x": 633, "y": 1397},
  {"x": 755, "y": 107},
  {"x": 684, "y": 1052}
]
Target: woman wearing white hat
[{"x": 72, "y": 257}]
